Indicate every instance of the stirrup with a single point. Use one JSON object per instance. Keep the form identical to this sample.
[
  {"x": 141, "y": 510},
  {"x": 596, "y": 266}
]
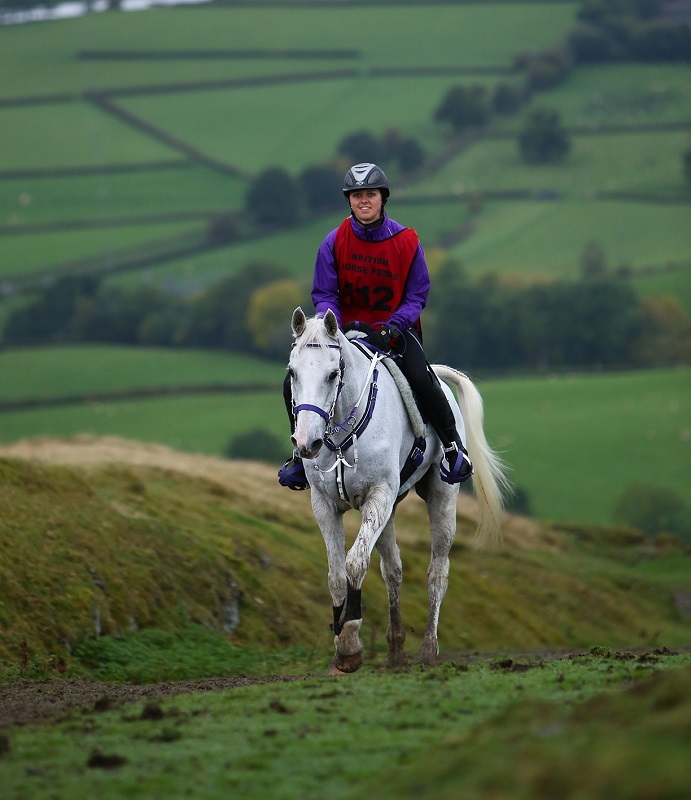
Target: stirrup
[
  {"x": 292, "y": 474},
  {"x": 461, "y": 465}
]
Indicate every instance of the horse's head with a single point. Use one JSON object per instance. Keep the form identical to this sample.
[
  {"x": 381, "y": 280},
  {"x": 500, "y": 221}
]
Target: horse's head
[{"x": 316, "y": 372}]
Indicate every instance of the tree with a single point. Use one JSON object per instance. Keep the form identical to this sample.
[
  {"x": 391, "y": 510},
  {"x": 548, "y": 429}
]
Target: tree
[
  {"x": 257, "y": 444},
  {"x": 593, "y": 261},
  {"x": 321, "y": 188},
  {"x": 410, "y": 155},
  {"x": 464, "y": 107},
  {"x": 362, "y": 147},
  {"x": 268, "y": 316},
  {"x": 508, "y": 98},
  {"x": 653, "y": 509},
  {"x": 219, "y": 316},
  {"x": 687, "y": 166},
  {"x": 223, "y": 228},
  {"x": 274, "y": 198},
  {"x": 48, "y": 318},
  {"x": 665, "y": 333},
  {"x": 544, "y": 140}
]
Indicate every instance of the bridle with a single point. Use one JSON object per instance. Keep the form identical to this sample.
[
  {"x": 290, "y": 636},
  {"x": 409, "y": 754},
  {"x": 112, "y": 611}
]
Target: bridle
[
  {"x": 327, "y": 415},
  {"x": 351, "y": 424}
]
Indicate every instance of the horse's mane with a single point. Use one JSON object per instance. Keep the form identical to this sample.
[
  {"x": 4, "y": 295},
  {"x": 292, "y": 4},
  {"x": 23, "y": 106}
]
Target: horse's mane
[{"x": 314, "y": 335}]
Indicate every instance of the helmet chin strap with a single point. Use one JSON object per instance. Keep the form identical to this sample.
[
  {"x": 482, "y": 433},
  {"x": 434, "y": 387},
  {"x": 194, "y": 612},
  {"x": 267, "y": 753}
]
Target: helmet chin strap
[{"x": 369, "y": 225}]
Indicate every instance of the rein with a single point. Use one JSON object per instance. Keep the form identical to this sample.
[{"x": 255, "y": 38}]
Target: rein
[{"x": 351, "y": 423}]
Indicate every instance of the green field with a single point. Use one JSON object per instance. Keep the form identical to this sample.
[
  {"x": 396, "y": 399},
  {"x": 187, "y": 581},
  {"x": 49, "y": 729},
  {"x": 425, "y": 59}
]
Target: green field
[
  {"x": 42, "y": 372},
  {"x": 574, "y": 443},
  {"x": 294, "y": 124},
  {"x": 529, "y": 686}
]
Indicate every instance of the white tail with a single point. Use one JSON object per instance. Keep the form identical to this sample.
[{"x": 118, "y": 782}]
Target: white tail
[{"x": 489, "y": 480}]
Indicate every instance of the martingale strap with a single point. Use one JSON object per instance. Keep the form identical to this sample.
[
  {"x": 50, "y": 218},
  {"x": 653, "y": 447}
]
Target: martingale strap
[{"x": 357, "y": 427}]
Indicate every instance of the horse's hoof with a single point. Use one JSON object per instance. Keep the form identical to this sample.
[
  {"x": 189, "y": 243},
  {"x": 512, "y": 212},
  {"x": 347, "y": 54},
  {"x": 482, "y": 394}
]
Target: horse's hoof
[
  {"x": 346, "y": 664},
  {"x": 427, "y": 655},
  {"x": 397, "y": 661}
]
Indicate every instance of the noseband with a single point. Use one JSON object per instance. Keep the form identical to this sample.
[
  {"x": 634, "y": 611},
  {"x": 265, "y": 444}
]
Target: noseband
[{"x": 327, "y": 415}]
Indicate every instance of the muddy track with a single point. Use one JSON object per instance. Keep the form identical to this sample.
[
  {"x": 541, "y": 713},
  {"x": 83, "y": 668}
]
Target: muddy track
[{"x": 57, "y": 699}]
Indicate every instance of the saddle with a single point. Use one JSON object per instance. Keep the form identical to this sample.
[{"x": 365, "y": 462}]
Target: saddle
[{"x": 417, "y": 451}]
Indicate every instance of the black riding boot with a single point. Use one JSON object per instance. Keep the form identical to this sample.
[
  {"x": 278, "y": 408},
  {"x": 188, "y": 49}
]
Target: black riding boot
[
  {"x": 458, "y": 467},
  {"x": 292, "y": 473}
]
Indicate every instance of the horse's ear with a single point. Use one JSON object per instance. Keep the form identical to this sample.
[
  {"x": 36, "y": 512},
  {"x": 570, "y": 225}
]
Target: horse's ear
[
  {"x": 331, "y": 324},
  {"x": 298, "y": 322}
]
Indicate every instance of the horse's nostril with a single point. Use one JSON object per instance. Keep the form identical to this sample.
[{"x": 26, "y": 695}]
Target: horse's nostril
[
  {"x": 293, "y": 441},
  {"x": 317, "y": 445}
]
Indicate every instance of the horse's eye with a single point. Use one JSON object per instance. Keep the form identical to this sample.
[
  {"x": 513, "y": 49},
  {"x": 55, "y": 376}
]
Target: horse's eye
[{"x": 333, "y": 375}]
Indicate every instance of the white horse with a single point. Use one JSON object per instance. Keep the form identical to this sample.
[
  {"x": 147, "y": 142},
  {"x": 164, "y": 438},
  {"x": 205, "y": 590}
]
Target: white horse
[{"x": 355, "y": 435}]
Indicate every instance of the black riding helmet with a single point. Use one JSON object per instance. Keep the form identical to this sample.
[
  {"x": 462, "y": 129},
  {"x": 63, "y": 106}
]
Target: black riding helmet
[{"x": 366, "y": 176}]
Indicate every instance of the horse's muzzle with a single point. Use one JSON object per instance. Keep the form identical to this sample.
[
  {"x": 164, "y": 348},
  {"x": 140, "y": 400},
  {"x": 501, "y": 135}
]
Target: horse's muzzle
[{"x": 310, "y": 450}]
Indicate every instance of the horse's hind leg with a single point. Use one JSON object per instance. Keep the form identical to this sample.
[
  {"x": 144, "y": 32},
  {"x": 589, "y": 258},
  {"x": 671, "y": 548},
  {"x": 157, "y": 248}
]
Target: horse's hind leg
[
  {"x": 441, "y": 508},
  {"x": 392, "y": 572}
]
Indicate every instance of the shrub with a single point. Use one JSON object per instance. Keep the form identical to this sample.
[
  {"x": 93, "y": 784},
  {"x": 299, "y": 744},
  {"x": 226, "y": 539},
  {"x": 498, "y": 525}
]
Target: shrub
[
  {"x": 544, "y": 140},
  {"x": 257, "y": 445},
  {"x": 464, "y": 107},
  {"x": 653, "y": 509},
  {"x": 273, "y": 198}
]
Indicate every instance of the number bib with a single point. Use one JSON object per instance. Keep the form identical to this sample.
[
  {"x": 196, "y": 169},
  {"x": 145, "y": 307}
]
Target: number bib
[{"x": 372, "y": 275}]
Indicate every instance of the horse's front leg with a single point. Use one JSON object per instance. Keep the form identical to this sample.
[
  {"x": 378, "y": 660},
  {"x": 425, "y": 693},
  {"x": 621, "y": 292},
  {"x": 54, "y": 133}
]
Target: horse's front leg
[
  {"x": 330, "y": 521},
  {"x": 375, "y": 511}
]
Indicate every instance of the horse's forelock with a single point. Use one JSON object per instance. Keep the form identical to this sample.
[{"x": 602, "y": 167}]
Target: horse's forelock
[{"x": 314, "y": 334}]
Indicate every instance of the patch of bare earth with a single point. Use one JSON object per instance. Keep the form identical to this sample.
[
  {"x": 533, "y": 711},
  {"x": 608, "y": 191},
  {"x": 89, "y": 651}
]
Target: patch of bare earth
[{"x": 54, "y": 700}]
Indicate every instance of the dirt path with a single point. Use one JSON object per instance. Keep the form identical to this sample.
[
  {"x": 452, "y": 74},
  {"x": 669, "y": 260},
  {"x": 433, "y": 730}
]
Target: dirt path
[{"x": 53, "y": 700}]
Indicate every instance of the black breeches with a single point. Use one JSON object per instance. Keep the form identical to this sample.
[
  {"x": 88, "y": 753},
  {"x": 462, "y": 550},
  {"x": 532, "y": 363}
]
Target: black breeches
[{"x": 426, "y": 387}]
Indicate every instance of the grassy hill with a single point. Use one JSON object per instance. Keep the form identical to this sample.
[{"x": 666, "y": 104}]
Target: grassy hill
[
  {"x": 102, "y": 536},
  {"x": 574, "y": 443},
  {"x": 217, "y": 94},
  {"x": 204, "y": 89}
]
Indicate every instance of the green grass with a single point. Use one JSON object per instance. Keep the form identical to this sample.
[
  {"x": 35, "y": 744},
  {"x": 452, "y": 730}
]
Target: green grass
[
  {"x": 194, "y": 423},
  {"x": 72, "y": 134},
  {"x": 623, "y": 94},
  {"x": 514, "y": 721},
  {"x": 94, "y": 197},
  {"x": 23, "y": 253},
  {"x": 102, "y": 541},
  {"x": 83, "y": 370},
  {"x": 617, "y": 744},
  {"x": 240, "y": 126},
  {"x": 478, "y": 731},
  {"x": 576, "y": 442},
  {"x": 542, "y": 238},
  {"x": 635, "y": 162},
  {"x": 467, "y": 35}
]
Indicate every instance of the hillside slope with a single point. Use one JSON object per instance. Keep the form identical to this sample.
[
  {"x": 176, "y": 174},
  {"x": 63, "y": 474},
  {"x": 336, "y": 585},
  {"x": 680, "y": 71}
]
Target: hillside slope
[{"x": 99, "y": 536}]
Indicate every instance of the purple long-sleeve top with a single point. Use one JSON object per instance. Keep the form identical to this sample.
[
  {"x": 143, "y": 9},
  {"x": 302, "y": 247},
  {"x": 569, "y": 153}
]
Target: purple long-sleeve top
[{"x": 325, "y": 293}]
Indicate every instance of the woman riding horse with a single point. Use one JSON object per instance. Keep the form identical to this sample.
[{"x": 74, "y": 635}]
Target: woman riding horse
[{"x": 373, "y": 270}]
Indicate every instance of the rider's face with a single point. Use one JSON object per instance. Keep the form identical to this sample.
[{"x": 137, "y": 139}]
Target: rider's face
[{"x": 366, "y": 204}]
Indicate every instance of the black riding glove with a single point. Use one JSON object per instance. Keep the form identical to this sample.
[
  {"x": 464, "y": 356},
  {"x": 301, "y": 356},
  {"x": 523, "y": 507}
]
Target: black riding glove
[{"x": 383, "y": 339}]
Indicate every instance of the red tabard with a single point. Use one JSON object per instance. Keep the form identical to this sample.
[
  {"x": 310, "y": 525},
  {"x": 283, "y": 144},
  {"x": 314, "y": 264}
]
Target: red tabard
[{"x": 372, "y": 275}]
